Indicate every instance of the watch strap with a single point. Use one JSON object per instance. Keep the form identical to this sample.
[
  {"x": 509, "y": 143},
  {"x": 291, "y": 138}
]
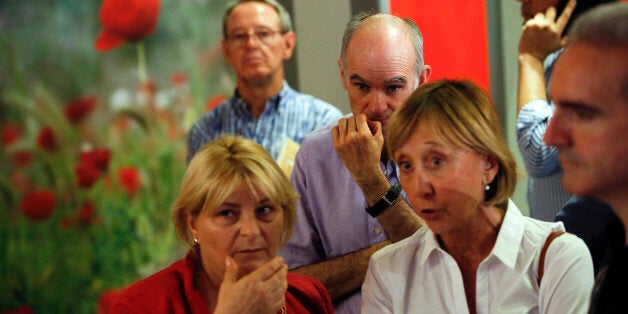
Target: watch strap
[{"x": 383, "y": 203}]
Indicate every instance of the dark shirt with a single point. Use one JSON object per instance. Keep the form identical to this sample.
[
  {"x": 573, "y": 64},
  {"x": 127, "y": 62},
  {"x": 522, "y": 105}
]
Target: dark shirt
[
  {"x": 596, "y": 224},
  {"x": 610, "y": 294}
]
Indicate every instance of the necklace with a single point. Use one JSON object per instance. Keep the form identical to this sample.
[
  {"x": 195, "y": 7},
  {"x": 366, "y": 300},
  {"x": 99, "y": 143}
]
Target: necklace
[{"x": 283, "y": 309}]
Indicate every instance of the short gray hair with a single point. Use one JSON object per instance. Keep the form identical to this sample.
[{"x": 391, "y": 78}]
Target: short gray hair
[
  {"x": 605, "y": 25},
  {"x": 412, "y": 30},
  {"x": 285, "y": 22}
]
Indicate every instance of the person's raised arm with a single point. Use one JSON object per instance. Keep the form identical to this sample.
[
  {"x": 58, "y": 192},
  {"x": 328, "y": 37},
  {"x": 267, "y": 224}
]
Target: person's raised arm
[
  {"x": 360, "y": 145},
  {"x": 541, "y": 36}
]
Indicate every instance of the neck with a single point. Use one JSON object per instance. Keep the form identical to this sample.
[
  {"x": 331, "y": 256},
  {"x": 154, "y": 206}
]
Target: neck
[
  {"x": 476, "y": 241},
  {"x": 206, "y": 287},
  {"x": 257, "y": 92}
]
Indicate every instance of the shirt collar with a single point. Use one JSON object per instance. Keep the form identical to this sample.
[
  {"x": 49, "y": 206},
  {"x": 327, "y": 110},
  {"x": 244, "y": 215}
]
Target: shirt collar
[
  {"x": 506, "y": 246},
  {"x": 272, "y": 104},
  {"x": 510, "y": 236}
]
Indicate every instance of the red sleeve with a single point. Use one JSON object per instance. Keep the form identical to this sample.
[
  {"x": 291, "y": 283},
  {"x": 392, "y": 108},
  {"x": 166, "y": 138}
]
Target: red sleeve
[{"x": 307, "y": 295}]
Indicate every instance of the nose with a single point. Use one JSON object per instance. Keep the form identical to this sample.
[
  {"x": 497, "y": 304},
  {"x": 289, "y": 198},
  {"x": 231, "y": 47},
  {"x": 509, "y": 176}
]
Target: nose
[
  {"x": 557, "y": 132},
  {"x": 377, "y": 103},
  {"x": 249, "y": 225},
  {"x": 417, "y": 185},
  {"x": 252, "y": 40}
]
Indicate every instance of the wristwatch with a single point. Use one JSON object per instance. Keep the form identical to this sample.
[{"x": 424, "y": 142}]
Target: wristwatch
[{"x": 388, "y": 199}]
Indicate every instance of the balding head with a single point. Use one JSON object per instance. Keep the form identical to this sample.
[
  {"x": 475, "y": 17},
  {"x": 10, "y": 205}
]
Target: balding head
[{"x": 381, "y": 23}]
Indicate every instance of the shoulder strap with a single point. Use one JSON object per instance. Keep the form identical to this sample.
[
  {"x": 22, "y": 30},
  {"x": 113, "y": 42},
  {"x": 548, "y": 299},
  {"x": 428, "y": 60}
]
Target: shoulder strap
[{"x": 548, "y": 241}]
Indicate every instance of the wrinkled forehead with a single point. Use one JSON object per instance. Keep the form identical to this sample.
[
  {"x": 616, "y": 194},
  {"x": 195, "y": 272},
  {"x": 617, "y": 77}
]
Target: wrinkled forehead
[{"x": 381, "y": 48}]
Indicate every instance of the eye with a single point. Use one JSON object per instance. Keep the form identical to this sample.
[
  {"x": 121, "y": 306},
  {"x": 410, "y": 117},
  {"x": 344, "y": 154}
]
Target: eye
[
  {"x": 435, "y": 162},
  {"x": 226, "y": 213},
  {"x": 584, "y": 114},
  {"x": 262, "y": 34},
  {"x": 391, "y": 89},
  {"x": 361, "y": 86},
  {"x": 405, "y": 166},
  {"x": 266, "y": 212}
]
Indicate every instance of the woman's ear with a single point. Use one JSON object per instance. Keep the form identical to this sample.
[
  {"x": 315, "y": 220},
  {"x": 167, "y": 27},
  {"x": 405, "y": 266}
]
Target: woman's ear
[
  {"x": 490, "y": 169},
  {"x": 192, "y": 225}
]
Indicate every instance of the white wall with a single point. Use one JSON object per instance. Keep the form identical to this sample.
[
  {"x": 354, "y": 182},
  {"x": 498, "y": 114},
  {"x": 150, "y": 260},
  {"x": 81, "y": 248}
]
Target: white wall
[{"x": 319, "y": 26}]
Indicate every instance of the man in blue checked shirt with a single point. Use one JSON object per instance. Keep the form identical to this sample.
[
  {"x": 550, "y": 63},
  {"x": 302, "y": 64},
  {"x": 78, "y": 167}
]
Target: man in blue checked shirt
[{"x": 257, "y": 38}]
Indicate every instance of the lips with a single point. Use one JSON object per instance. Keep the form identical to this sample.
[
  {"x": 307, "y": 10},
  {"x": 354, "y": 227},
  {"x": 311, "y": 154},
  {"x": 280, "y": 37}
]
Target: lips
[
  {"x": 248, "y": 251},
  {"x": 429, "y": 213}
]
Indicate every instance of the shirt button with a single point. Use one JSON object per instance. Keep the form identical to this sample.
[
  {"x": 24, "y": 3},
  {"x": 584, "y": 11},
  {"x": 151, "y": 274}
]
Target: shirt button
[{"x": 377, "y": 230}]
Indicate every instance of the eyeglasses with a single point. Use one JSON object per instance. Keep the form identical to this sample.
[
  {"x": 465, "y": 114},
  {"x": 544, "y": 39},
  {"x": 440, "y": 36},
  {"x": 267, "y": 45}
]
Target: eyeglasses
[{"x": 239, "y": 40}]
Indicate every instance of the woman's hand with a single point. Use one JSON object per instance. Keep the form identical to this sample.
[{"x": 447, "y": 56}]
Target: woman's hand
[{"x": 261, "y": 291}]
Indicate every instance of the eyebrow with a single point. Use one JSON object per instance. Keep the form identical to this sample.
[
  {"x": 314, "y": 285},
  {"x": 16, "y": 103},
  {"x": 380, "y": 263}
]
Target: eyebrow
[
  {"x": 576, "y": 106},
  {"x": 398, "y": 79}
]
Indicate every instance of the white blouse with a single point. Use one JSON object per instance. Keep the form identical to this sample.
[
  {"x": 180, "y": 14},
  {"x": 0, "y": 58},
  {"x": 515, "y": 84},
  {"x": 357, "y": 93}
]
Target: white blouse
[{"x": 416, "y": 276}]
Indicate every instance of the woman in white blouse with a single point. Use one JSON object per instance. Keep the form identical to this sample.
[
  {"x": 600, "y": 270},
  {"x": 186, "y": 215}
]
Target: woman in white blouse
[{"x": 477, "y": 252}]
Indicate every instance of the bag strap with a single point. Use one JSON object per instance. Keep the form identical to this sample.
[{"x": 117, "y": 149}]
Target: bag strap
[{"x": 548, "y": 241}]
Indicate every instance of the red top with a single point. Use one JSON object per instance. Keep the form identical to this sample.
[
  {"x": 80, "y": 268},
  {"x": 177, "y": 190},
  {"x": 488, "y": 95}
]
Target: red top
[{"x": 172, "y": 290}]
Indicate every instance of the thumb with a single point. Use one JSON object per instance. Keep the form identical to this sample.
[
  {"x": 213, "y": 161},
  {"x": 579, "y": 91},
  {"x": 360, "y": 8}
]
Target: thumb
[{"x": 231, "y": 271}]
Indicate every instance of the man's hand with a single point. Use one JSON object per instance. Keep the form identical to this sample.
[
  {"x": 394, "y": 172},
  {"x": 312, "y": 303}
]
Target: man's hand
[
  {"x": 359, "y": 143},
  {"x": 541, "y": 35},
  {"x": 261, "y": 291}
]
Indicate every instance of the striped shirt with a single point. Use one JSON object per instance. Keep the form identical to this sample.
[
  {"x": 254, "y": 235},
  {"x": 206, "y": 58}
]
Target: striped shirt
[
  {"x": 546, "y": 195},
  {"x": 288, "y": 116}
]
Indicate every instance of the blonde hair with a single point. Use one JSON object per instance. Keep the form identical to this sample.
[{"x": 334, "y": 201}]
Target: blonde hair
[
  {"x": 215, "y": 172},
  {"x": 463, "y": 115}
]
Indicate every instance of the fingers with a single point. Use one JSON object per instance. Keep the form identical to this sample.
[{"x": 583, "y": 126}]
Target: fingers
[
  {"x": 231, "y": 271},
  {"x": 550, "y": 13},
  {"x": 375, "y": 127},
  {"x": 268, "y": 270},
  {"x": 562, "y": 20}
]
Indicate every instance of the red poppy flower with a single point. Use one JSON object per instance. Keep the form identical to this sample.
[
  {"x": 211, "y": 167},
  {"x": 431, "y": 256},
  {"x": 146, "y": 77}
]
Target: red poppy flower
[
  {"x": 178, "y": 79},
  {"x": 126, "y": 20},
  {"x": 99, "y": 157},
  {"x": 21, "y": 158},
  {"x": 78, "y": 109},
  {"x": 10, "y": 133},
  {"x": 46, "y": 139},
  {"x": 214, "y": 101},
  {"x": 86, "y": 213},
  {"x": 129, "y": 178},
  {"x": 86, "y": 174},
  {"x": 38, "y": 205}
]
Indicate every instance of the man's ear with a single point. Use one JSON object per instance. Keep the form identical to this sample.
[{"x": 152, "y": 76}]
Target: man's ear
[
  {"x": 290, "y": 40},
  {"x": 425, "y": 74},
  {"x": 225, "y": 50}
]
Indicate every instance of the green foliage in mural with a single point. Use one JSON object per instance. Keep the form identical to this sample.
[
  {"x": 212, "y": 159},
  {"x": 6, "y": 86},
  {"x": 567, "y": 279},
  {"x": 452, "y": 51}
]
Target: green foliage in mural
[{"x": 91, "y": 156}]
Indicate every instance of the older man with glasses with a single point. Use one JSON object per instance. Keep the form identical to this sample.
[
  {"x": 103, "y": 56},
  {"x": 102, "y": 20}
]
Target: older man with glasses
[{"x": 257, "y": 38}]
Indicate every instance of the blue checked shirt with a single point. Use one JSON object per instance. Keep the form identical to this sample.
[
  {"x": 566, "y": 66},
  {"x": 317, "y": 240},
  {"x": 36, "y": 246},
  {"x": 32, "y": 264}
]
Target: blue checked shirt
[
  {"x": 289, "y": 115},
  {"x": 545, "y": 192}
]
